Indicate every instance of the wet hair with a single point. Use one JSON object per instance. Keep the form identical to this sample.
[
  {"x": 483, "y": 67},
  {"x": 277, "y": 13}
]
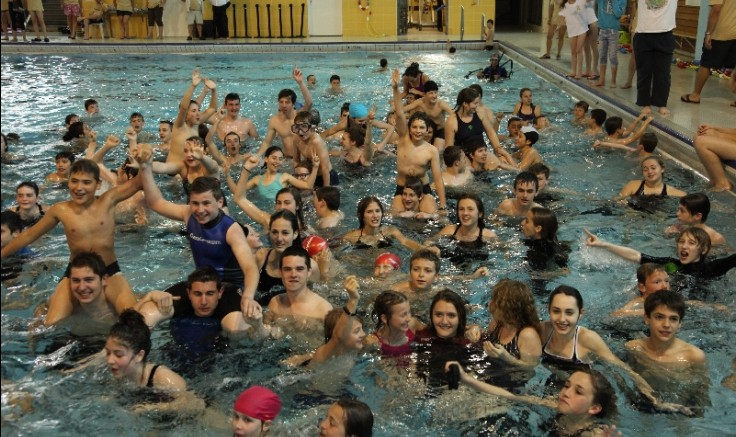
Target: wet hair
[
  {"x": 567, "y": 291},
  {"x": 30, "y": 184},
  {"x": 204, "y": 184},
  {"x": 136, "y": 115},
  {"x": 539, "y": 168},
  {"x": 232, "y": 133},
  {"x": 356, "y": 134},
  {"x": 452, "y": 49},
  {"x": 289, "y": 216},
  {"x": 358, "y": 418},
  {"x": 86, "y": 166},
  {"x": 232, "y": 97},
  {"x": 531, "y": 136},
  {"x": 334, "y": 77},
  {"x": 297, "y": 202},
  {"x": 383, "y": 63},
  {"x": 383, "y": 305},
  {"x": 653, "y": 158},
  {"x": 91, "y": 260},
  {"x": 204, "y": 274},
  {"x": 582, "y": 104},
  {"x": 603, "y": 393},
  {"x": 286, "y": 92},
  {"x": 310, "y": 75},
  {"x": 472, "y": 145},
  {"x": 523, "y": 90},
  {"x": 547, "y": 219},
  {"x": 646, "y": 270},
  {"x": 466, "y": 95},
  {"x": 132, "y": 331},
  {"x": 419, "y": 115},
  {"x": 515, "y": 300},
  {"x": 477, "y": 88},
  {"x": 169, "y": 122},
  {"x": 129, "y": 171},
  {"x": 89, "y": 102},
  {"x": 11, "y": 220},
  {"x": 447, "y": 295},
  {"x": 312, "y": 117},
  {"x": 695, "y": 203},
  {"x": 363, "y": 205},
  {"x": 671, "y": 299},
  {"x": 431, "y": 85},
  {"x": 478, "y": 204},
  {"x": 599, "y": 116},
  {"x": 612, "y": 124},
  {"x": 512, "y": 120},
  {"x": 413, "y": 70},
  {"x": 65, "y": 154},
  {"x": 700, "y": 236},
  {"x": 296, "y": 250},
  {"x": 428, "y": 255},
  {"x": 451, "y": 155},
  {"x": 331, "y": 196},
  {"x": 526, "y": 177},
  {"x": 489, "y": 22},
  {"x": 271, "y": 150},
  {"x": 415, "y": 184},
  {"x": 75, "y": 130},
  {"x": 69, "y": 118},
  {"x": 331, "y": 319},
  {"x": 431, "y": 127},
  {"x": 649, "y": 142}
]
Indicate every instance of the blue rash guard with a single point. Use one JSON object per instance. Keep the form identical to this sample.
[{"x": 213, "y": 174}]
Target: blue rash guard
[{"x": 210, "y": 248}]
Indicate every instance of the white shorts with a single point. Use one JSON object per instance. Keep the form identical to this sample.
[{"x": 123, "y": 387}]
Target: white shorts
[{"x": 194, "y": 16}]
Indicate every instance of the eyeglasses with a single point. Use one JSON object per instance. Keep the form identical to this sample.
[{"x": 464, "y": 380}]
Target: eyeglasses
[
  {"x": 300, "y": 128},
  {"x": 301, "y": 175}
]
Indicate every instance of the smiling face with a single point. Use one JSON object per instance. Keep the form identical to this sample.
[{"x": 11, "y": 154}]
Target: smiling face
[
  {"x": 399, "y": 319},
  {"x": 189, "y": 159},
  {"x": 576, "y": 397},
  {"x": 294, "y": 273},
  {"x": 333, "y": 425},
  {"x": 285, "y": 201},
  {"x": 86, "y": 285},
  {"x": 82, "y": 187},
  {"x": 663, "y": 323},
  {"x": 233, "y": 107},
  {"x": 285, "y": 105},
  {"x": 422, "y": 274},
  {"x": 468, "y": 213},
  {"x": 480, "y": 156},
  {"x": 26, "y": 198},
  {"x": 652, "y": 171},
  {"x": 564, "y": 313},
  {"x": 471, "y": 107},
  {"x": 445, "y": 319},
  {"x": 204, "y": 207},
  {"x": 121, "y": 360},
  {"x": 63, "y": 165},
  {"x": 410, "y": 199},
  {"x": 193, "y": 114},
  {"x": 689, "y": 249},
  {"x": 204, "y": 297},
  {"x": 281, "y": 234},
  {"x": 274, "y": 161},
  {"x": 431, "y": 96},
  {"x": 354, "y": 341},
  {"x": 382, "y": 270},
  {"x": 418, "y": 130},
  {"x": 346, "y": 142},
  {"x": 164, "y": 132}
]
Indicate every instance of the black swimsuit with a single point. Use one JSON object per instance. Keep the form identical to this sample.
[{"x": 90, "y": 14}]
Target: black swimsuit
[
  {"x": 150, "y": 376},
  {"x": 511, "y": 347},
  {"x": 640, "y": 191},
  {"x": 268, "y": 286},
  {"x": 468, "y": 131},
  {"x": 381, "y": 243},
  {"x": 27, "y": 223}
]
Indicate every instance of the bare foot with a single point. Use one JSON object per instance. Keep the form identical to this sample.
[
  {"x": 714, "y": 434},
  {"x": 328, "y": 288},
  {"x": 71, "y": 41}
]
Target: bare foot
[
  {"x": 613, "y": 85},
  {"x": 626, "y": 86},
  {"x": 646, "y": 110},
  {"x": 599, "y": 83},
  {"x": 664, "y": 112},
  {"x": 721, "y": 188}
]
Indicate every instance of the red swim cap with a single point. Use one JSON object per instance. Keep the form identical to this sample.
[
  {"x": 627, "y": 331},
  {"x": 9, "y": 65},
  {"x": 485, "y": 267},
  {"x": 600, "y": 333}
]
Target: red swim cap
[
  {"x": 259, "y": 403},
  {"x": 390, "y": 259},
  {"x": 314, "y": 244}
]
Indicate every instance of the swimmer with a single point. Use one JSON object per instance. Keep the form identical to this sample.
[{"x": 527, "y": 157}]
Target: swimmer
[
  {"x": 347, "y": 418},
  {"x": 63, "y": 161},
  {"x": 355, "y": 114},
  {"x": 382, "y": 66},
  {"x": 29, "y": 208},
  {"x": 424, "y": 267},
  {"x": 595, "y": 123},
  {"x": 311, "y": 81},
  {"x": 91, "y": 107},
  {"x": 89, "y": 225},
  {"x": 412, "y": 82},
  {"x": 525, "y": 189},
  {"x": 165, "y": 128},
  {"x": 414, "y": 155},
  {"x": 470, "y": 228},
  {"x": 653, "y": 183},
  {"x": 616, "y": 134},
  {"x": 539, "y": 228},
  {"x": 137, "y": 122},
  {"x": 307, "y": 143},
  {"x": 457, "y": 171},
  {"x": 189, "y": 117},
  {"x": 281, "y": 123},
  {"x": 127, "y": 347},
  {"x": 254, "y": 411},
  {"x": 215, "y": 238},
  {"x": 527, "y": 154},
  {"x": 273, "y": 180},
  {"x": 205, "y": 297},
  {"x": 580, "y": 113},
  {"x": 386, "y": 263},
  {"x": 395, "y": 326},
  {"x": 693, "y": 210},
  {"x": 232, "y": 153},
  {"x": 693, "y": 244},
  {"x": 357, "y": 147},
  {"x": 298, "y": 300},
  {"x": 229, "y": 120},
  {"x": 525, "y": 109},
  {"x": 327, "y": 206},
  {"x": 287, "y": 198},
  {"x": 335, "y": 88},
  {"x": 494, "y": 72},
  {"x": 435, "y": 108},
  {"x": 513, "y": 125},
  {"x": 411, "y": 202},
  {"x": 194, "y": 164},
  {"x": 371, "y": 232},
  {"x": 650, "y": 278},
  {"x": 586, "y": 397}
]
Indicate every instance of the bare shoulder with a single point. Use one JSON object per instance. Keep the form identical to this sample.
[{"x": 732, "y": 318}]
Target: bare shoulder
[
  {"x": 167, "y": 379},
  {"x": 692, "y": 353},
  {"x": 635, "y": 345}
]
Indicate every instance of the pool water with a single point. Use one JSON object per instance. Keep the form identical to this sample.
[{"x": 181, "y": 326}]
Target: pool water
[{"x": 39, "y": 91}]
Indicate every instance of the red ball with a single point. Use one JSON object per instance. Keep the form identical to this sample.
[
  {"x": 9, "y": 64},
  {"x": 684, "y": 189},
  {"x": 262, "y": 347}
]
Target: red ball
[{"x": 314, "y": 244}]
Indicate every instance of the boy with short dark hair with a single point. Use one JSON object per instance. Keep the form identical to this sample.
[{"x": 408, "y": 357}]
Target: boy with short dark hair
[
  {"x": 457, "y": 171},
  {"x": 525, "y": 189},
  {"x": 335, "y": 88},
  {"x": 650, "y": 278},
  {"x": 617, "y": 135},
  {"x": 63, "y": 161},
  {"x": 693, "y": 211},
  {"x": 527, "y": 154},
  {"x": 91, "y": 107},
  {"x": 580, "y": 113},
  {"x": 327, "y": 206},
  {"x": 595, "y": 122}
]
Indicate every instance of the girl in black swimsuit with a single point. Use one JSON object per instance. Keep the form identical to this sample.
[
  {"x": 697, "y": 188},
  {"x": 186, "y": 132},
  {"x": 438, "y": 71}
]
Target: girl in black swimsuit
[
  {"x": 371, "y": 233},
  {"x": 540, "y": 229},
  {"x": 127, "y": 348},
  {"x": 469, "y": 234}
]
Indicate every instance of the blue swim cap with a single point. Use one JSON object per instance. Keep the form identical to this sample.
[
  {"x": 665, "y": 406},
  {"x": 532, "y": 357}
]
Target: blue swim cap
[{"x": 358, "y": 110}]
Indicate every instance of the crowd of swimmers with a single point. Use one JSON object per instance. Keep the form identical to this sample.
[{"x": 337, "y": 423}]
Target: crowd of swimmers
[{"x": 245, "y": 291}]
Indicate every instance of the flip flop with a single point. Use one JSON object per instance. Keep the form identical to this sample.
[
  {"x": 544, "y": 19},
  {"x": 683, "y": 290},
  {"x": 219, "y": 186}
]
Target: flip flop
[
  {"x": 686, "y": 99},
  {"x": 544, "y": 57},
  {"x": 733, "y": 104},
  {"x": 595, "y": 77}
]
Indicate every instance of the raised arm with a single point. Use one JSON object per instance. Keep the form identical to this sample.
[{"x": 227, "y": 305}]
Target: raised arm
[
  {"x": 493, "y": 138},
  {"x": 401, "y": 123},
  {"x": 47, "y": 222},
  {"x": 154, "y": 199},
  {"x": 300, "y": 184},
  {"x": 209, "y": 164},
  {"x": 296, "y": 73},
  {"x": 636, "y": 135},
  {"x": 209, "y": 140},
  {"x": 184, "y": 105},
  {"x": 624, "y": 252},
  {"x": 212, "y": 109},
  {"x": 368, "y": 144}
]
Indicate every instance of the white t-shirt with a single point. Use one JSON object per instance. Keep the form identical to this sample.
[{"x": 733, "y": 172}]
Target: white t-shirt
[
  {"x": 656, "y": 16},
  {"x": 575, "y": 19}
]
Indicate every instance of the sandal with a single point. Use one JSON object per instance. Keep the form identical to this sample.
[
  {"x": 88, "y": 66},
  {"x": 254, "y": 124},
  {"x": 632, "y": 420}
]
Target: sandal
[
  {"x": 686, "y": 99},
  {"x": 544, "y": 57}
]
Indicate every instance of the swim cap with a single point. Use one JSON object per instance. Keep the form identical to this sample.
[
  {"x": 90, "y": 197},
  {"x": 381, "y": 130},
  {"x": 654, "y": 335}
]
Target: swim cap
[
  {"x": 390, "y": 259},
  {"x": 358, "y": 110},
  {"x": 314, "y": 244},
  {"x": 259, "y": 403}
]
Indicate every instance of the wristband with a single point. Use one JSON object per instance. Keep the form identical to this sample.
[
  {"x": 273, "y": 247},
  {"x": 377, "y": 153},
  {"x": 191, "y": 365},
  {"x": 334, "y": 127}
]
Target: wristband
[{"x": 347, "y": 311}]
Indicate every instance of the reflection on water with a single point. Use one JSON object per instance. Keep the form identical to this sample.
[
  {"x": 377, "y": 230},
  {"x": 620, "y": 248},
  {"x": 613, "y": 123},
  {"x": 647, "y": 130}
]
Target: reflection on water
[{"x": 38, "y": 92}]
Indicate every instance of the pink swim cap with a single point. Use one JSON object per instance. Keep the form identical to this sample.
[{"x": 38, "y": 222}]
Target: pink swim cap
[
  {"x": 259, "y": 403},
  {"x": 314, "y": 244},
  {"x": 390, "y": 259}
]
